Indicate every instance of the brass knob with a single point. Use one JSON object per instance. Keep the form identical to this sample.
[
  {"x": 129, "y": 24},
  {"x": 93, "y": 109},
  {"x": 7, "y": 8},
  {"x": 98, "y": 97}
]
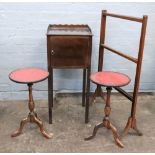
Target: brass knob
[{"x": 52, "y": 52}]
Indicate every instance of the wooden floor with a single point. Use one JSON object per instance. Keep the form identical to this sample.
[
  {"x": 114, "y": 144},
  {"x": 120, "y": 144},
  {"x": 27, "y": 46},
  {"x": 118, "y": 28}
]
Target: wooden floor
[{"x": 70, "y": 130}]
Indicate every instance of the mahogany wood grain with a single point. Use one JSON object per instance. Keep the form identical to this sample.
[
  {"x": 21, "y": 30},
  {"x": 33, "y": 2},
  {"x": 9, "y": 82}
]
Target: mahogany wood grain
[
  {"x": 69, "y": 46},
  {"x": 106, "y": 122},
  {"x": 120, "y": 53},
  {"x": 138, "y": 61},
  {"x": 136, "y": 19}
]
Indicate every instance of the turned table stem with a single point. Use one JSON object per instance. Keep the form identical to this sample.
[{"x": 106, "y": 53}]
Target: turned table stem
[
  {"x": 32, "y": 117},
  {"x": 106, "y": 121},
  {"x": 31, "y": 102}
]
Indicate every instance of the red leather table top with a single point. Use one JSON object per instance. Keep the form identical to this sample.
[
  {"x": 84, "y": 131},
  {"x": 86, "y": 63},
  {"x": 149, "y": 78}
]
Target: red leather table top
[
  {"x": 108, "y": 78},
  {"x": 28, "y": 75}
]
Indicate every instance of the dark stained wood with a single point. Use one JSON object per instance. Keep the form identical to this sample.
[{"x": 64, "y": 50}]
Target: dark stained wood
[
  {"x": 132, "y": 119},
  {"x": 139, "y": 64},
  {"x": 136, "y": 19},
  {"x": 50, "y": 82},
  {"x": 120, "y": 53},
  {"x": 102, "y": 40},
  {"x": 69, "y": 52},
  {"x": 87, "y": 97},
  {"x": 127, "y": 95},
  {"x": 84, "y": 88},
  {"x": 88, "y": 85},
  {"x": 98, "y": 91},
  {"x": 131, "y": 123},
  {"x": 68, "y": 30},
  {"x": 69, "y": 46}
]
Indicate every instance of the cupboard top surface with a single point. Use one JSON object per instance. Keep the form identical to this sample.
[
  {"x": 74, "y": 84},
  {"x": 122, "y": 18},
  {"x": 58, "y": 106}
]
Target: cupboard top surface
[{"x": 69, "y": 30}]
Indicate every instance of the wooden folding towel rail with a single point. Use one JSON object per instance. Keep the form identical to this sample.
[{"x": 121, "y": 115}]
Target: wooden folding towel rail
[{"x": 138, "y": 61}]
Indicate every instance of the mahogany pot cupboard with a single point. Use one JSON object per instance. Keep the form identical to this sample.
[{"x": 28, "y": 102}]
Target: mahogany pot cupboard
[{"x": 69, "y": 46}]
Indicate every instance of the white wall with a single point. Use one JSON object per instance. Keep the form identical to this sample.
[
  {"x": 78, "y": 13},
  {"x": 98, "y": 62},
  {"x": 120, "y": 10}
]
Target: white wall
[{"x": 23, "y": 42}]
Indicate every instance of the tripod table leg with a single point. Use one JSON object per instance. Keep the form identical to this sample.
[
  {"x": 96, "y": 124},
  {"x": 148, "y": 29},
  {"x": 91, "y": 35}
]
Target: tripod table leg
[
  {"x": 95, "y": 131},
  {"x": 40, "y": 124},
  {"x": 19, "y": 131}
]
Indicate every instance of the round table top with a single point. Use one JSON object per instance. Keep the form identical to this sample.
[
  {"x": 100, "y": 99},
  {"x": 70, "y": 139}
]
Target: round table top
[
  {"x": 111, "y": 79},
  {"x": 28, "y": 75}
]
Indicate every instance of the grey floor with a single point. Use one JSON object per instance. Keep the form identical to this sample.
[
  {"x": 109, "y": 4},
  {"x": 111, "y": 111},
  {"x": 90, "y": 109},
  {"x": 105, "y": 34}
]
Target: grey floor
[{"x": 69, "y": 128}]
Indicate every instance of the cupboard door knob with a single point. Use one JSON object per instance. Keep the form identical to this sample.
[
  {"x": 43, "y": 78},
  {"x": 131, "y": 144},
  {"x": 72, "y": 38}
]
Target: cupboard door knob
[{"x": 52, "y": 52}]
